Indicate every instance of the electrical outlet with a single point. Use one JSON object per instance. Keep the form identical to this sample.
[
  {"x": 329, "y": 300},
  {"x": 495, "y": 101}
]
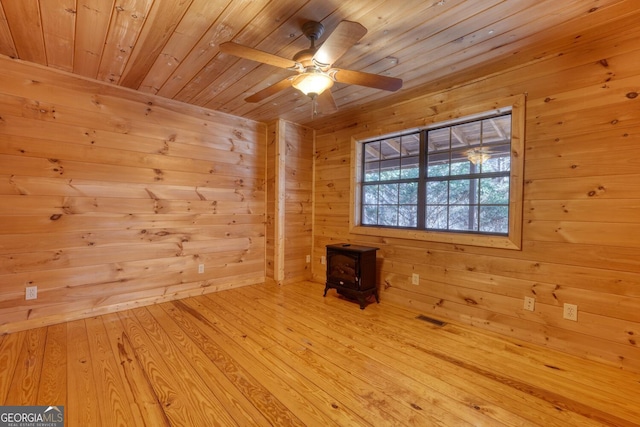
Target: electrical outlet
[
  {"x": 323, "y": 260},
  {"x": 529, "y": 303},
  {"x": 200, "y": 268},
  {"x": 570, "y": 312},
  {"x": 308, "y": 259},
  {"x": 31, "y": 293},
  {"x": 415, "y": 279}
]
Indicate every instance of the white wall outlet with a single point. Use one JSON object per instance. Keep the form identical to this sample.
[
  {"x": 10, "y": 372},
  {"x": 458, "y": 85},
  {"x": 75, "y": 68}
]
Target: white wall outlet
[
  {"x": 529, "y": 303},
  {"x": 308, "y": 259},
  {"x": 200, "y": 268},
  {"x": 570, "y": 312},
  {"x": 323, "y": 260},
  {"x": 31, "y": 292},
  {"x": 415, "y": 279}
]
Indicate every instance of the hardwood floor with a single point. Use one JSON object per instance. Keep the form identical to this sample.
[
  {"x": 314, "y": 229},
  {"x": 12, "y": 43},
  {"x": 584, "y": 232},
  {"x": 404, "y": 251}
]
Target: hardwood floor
[{"x": 268, "y": 355}]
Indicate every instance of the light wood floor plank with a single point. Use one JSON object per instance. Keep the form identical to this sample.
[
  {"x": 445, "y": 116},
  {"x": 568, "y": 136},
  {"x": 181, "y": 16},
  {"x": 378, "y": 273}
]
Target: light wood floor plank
[
  {"x": 179, "y": 388},
  {"x": 112, "y": 397},
  {"x": 270, "y": 349},
  {"x": 237, "y": 379},
  {"x": 311, "y": 404},
  {"x": 285, "y": 355},
  {"x": 52, "y": 389},
  {"x": 232, "y": 399},
  {"x": 324, "y": 365},
  {"x": 24, "y": 386},
  {"x": 82, "y": 396},
  {"x": 9, "y": 360},
  {"x": 479, "y": 353},
  {"x": 391, "y": 335},
  {"x": 142, "y": 399},
  {"x": 438, "y": 381}
]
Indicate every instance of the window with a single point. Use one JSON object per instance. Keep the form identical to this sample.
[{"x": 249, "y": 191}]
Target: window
[{"x": 457, "y": 181}]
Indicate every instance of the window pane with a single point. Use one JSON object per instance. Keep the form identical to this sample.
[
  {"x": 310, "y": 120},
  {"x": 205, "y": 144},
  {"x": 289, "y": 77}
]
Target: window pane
[
  {"x": 459, "y": 192},
  {"x": 370, "y": 215},
  {"x": 438, "y": 168},
  {"x": 390, "y": 169},
  {"x": 372, "y": 151},
  {"x": 500, "y": 160},
  {"x": 388, "y": 215},
  {"x": 494, "y": 191},
  {"x": 408, "y": 216},
  {"x": 411, "y": 144},
  {"x": 370, "y": 195},
  {"x": 408, "y": 193},
  {"x": 438, "y": 140},
  {"x": 436, "y": 217},
  {"x": 497, "y": 128},
  {"x": 464, "y": 135},
  {"x": 494, "y": 219},
  {"x": 371, "y": 172},
  {"x": 463, "y": 218},
  {"x": 460, "y": 165},
  {"x": 410, "y": 167},
  {"x": 388, "y": 194},
  {"x": 437, "y": 192},
  {"x": 390, "y": 148}
]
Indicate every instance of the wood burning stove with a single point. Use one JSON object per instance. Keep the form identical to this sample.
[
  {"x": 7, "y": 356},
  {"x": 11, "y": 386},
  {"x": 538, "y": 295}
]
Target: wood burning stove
[{"x": 351, "y": 270}]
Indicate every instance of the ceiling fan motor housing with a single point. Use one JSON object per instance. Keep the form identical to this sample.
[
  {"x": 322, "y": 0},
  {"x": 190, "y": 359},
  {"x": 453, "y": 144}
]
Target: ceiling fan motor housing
[{"x": 313, "y": 30}]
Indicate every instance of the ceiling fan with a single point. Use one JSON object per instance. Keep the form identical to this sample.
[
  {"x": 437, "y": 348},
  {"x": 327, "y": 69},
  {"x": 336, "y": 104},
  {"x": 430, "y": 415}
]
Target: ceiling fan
[{"x": 314, "y": 65}]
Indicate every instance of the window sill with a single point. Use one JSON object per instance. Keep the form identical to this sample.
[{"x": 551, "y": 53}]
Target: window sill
[{"x": 501, "y": 242}]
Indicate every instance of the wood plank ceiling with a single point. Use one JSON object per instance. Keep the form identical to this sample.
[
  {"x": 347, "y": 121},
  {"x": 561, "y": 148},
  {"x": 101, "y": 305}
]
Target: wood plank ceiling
[{"x": 171, "y": 47}]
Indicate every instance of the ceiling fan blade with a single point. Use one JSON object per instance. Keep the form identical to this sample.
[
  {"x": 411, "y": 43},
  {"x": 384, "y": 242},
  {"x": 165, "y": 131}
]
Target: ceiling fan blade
[
  {"x": 256, "y": 55},
  {"x": 366, "y": 79},
  {"x": 326, "y": 102},
  {"x": 346, "y": 34},
  {"x": 269, "y": 90}
]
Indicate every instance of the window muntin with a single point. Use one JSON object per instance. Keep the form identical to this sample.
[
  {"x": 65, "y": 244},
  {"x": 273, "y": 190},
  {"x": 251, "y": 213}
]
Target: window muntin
[{"x": 464, "y": 187}]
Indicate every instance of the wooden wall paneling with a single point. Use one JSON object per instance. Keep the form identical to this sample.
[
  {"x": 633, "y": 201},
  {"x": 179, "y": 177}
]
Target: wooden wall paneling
[
  {"x": 298, "y": 182},
  {"x": 270, "y": 187},
  {"x": 290, "y": 205},
  {"x": 580, "y": 194},
  {"x": 86, "y": 101},
  {"x": 102, "y": 218},
  {"x": 279, "y": 164}
]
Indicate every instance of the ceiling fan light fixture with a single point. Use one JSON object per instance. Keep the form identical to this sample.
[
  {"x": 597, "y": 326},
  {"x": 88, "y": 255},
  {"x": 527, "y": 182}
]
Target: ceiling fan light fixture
[
  {"x": 312, "y": 82},
  {"x": 477, "y": 156}
]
